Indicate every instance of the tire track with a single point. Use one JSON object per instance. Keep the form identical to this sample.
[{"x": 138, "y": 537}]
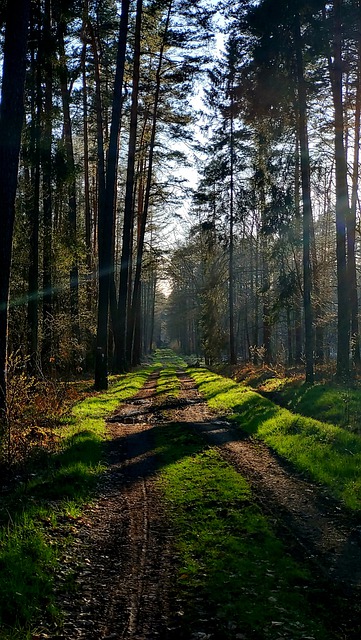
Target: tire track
[{"x": 122, "y": 556}]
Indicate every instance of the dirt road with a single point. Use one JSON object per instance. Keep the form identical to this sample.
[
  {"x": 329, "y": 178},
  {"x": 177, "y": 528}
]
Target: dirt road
[{"x": 123, "y": 556}]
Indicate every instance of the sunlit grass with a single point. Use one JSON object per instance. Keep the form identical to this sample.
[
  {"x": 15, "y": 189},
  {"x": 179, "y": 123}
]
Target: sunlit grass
[
  {"x": 337, "y": 404},
  {"x": 167, "y": 363},
  {"x": 234, "y": 576},
  {"x": 167, "y": 358},
  {"x": 330, "y": 454},
  {"x": 27, "y": 562},
  {"x": 168, "y": 382}
]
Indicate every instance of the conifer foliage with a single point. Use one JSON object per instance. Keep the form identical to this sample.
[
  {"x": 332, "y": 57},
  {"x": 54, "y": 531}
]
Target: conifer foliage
[{"x": 279, "y": 177}]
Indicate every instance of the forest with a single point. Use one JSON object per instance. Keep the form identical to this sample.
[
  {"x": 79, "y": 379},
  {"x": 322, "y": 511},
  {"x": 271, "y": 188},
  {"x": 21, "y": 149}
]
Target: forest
[
  {"x": 100, "y": 126},
  {"x": 180, "y": 357}
]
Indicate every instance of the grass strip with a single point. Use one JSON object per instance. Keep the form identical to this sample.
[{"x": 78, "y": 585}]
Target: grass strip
[
  {"x": 234, "y": 575},
  {"x": 167, "y": 362},
  {"x": 168, "y": 383},
  {"x": 329, "y": 454},
  {"x": 30, "y": 549},
  {"x": 166, "y": 358},
  {"x": 332, "y": 403}
]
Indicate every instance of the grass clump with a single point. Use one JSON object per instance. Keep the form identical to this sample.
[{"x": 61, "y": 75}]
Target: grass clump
[
  {"x": 30, "y": 547},
  {"x": 168, "y": 363},
  {"x": 330, "y": 454},
  {"x": 234, "y": 574}
]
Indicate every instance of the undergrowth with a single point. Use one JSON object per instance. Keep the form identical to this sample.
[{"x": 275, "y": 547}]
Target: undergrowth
[{"x": 328, "y": 453}]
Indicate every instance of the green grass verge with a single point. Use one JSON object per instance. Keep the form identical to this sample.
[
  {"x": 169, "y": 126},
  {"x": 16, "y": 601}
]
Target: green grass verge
[
  {"x": 30, "y": 548},
  {"x": 330, "y": 454},
  {"x": 235, "y": 576},
  {"x": 336, "y": 404}
]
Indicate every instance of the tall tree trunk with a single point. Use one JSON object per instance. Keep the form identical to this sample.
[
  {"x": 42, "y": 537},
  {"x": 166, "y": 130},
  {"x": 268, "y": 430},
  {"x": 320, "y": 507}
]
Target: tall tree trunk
[
  {"x": 297, "y": 260},
  {"x": 112, "y": 155},
  {"x": 72, "y": 205},
  {"x": 46, "y": 162},
  {"x": 152, "y": 312},
  {"x": 87, "y": 207},
  {"x": 306, "y": 201},
  {"x": 11, "y": 122},
  {"x": 133, "y": 326},
  {"x": 351, "y": 219},
  {"x": 104, "y": 237},
  {"x": 255, "y": 336},
  {"x": 33, "y": 199},
  {"x": 33, "y": 271},
  {"x": 342, "y": 204},
  {"x": 126, "y": 257},
  {"x": 232, "y": 350},
  {"x": 266, "y": 320},
  {"x": 106, "y": 199},
  {"x": 135, "y": 309}
]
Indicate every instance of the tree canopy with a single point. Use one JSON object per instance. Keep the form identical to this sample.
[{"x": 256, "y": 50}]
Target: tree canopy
[{"x": 103, "y": 118}]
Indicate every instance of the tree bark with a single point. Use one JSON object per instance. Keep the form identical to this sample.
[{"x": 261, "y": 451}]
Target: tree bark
[
  {"x": 135, "y": 308},
  {"x": 126, "y": 257},
  {"x": 11, "y": 122},
  {"x": 46, "y": 162},
  {"x": 232, "y": 350},
  {"x": 87, "y": 207},
  {"x": 33, "y": 199},
  {"x": 342, "y": 204},
  {"x": 112, "y": 155},
  {"x": 297, "y": 261},
  {"x": 103, "y": 236},
  {"x": 351, "y": 219},
  {"x": 306, "y": 201},
  {"x": 106, "y": 199},
  {"x": 72, "y": 204}
]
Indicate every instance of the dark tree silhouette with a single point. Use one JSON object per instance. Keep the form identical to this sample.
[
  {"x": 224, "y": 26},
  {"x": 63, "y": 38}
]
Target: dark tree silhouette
[{"x": 11, "y": 122}]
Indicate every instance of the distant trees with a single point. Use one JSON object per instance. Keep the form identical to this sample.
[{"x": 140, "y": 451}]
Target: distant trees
[
  {"x": 270, "y": 271},
  {"x": 295, "y": 96}
]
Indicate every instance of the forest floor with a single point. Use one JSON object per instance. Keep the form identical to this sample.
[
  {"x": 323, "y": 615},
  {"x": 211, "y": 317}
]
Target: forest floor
[{"x": 123, "y": 558}]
